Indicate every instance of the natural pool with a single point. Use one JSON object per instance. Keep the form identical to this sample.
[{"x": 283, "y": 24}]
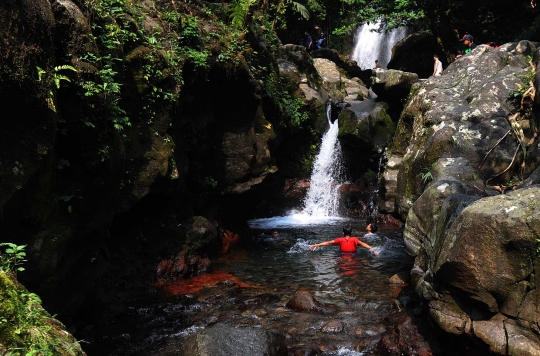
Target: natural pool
[{"x": 251, "y": 285}]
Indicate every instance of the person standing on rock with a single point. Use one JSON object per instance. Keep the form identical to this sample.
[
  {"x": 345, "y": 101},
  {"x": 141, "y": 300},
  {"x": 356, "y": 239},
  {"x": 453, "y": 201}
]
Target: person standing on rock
[
  {"x": 377, "y": 64},
  {"x": 437, "y": 68},
  {"x": 347, "y": 243},
  {"x": 309, "y": 42},
  {"x": 468, "y": 42}
]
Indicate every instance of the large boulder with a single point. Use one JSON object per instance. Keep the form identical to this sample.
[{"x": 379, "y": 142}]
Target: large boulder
[
  {"x": 461, "y": 141},
  {"x": 225, "y": 340},
  {"x": 349, "y": 66},
  {"x": 392, "y": 85}
]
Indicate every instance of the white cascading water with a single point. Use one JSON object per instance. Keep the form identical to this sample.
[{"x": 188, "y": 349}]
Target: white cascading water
[
  {"x": 322, "y": 196},
  {"x": 321, "y": 202},
  {"x": 371, "y": 45}
]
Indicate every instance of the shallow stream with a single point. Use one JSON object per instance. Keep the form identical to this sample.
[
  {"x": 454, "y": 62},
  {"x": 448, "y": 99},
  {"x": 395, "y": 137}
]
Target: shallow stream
[{"x": 251, "y": 284}]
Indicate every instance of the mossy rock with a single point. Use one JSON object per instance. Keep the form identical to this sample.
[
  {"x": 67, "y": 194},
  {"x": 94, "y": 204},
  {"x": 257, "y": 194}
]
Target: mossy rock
[
  {"x": 201, "y": 235},
  {"x": 26, "y": 328}
]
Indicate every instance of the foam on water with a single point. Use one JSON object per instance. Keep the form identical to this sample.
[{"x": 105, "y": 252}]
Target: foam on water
[
  {"x": 301, "y": 246},
  {"x": 293, "y": 220}
]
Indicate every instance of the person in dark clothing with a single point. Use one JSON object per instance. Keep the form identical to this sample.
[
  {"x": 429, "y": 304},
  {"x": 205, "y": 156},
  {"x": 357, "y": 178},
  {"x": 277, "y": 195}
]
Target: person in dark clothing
[
  {"x": 317, "y": 31},
  {"x": 320, "y": 42},
  {"x": 468, "y": 42},
  {"x": 309, "y": 42}
]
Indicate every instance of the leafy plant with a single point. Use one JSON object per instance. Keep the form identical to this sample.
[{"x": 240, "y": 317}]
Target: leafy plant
[
  {"x": 282, "y": 6},
  {"x": 239, "y": 12},
  {"x": 209, "y": 182},
  {"x": 13, "y": 257},
  {"x": 426, "y": 176},
  {"x": 56, "y": 79}
]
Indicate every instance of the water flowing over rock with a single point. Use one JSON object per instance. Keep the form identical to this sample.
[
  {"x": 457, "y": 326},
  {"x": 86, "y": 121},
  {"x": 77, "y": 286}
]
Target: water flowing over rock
[
  {"x": 455, "y": 150},
  {"x": 372, "y": 43},
  {"x": 225, "y": 340}
]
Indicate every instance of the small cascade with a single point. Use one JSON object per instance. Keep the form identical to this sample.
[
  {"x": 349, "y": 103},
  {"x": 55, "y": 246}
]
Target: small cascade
[
  {"x": 322, "y": 197},
  {"x": 371, "y": 45},
  {"x": 373, "y": 208}
]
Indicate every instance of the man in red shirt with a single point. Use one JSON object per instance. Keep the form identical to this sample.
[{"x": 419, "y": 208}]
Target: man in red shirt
[{"x": 347, "y": 243}]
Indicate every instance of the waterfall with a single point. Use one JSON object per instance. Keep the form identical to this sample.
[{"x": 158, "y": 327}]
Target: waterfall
[
  {"x": 373, "y": 207},
  {"x": 371, "y": 45},
  {"x": 322, "y": 196}
]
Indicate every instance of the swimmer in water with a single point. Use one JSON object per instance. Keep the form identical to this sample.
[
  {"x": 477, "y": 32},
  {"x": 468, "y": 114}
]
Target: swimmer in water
[{"x": 347, "y": 243}]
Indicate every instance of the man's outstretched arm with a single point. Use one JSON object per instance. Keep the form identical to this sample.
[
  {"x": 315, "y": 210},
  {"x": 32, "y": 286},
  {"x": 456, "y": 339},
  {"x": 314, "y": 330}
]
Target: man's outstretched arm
[{"x": 326, "y": 243}]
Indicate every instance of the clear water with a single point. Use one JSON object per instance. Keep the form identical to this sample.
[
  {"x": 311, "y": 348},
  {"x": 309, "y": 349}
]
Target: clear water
[
  {"x": 266, "y": 274},
  {"x": 290, "y": 262}
]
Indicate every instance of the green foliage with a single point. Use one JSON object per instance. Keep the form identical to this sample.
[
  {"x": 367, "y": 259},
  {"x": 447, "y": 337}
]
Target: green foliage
[
  {"x": 239, "y": 12},
  {"x": 209, "y": 182},
  {"x": 106, "y": 90},
  {"x": 279, "y": 11},
  {"x": 26, "y": 328},
  {"x": 528, "y": 79},
  {"x": 426, "y": 175},
  {"x": 293, "y": 109},
  {"x": 55, "y": 79},
  {"x": 12, "y": 258}
]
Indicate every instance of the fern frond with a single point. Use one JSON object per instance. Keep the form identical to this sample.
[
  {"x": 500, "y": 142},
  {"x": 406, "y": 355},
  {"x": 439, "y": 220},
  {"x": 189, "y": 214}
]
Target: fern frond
[
  {"x": 65, "y": 66},
  {"x": 40, "y": 72},
  {"x": 301, "y": 9}
]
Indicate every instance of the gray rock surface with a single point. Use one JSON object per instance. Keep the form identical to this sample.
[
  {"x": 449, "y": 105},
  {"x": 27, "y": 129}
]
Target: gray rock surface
[
  {"x": 225, "y": 340},
  {"x": 460, "y": 143}
]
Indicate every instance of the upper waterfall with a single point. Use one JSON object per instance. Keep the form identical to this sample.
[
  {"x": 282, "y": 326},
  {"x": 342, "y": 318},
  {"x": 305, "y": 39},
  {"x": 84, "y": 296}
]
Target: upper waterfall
[{"x": 371, "y": 45}]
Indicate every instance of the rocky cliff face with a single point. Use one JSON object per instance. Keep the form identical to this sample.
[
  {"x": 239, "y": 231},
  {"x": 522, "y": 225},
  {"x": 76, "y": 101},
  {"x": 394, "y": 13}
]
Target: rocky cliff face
[
  {"x": 123, "y": 128},
  {"x": 465, "y": 144},
  {"x": 134, "y": 135}
]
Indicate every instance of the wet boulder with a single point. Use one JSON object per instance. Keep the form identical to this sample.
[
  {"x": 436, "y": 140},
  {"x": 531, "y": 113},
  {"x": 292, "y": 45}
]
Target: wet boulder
[
  {"x": 303, "y": 301},
  {"x": 183, "y": 265},
  {"x": 225, "y": 340},
  {"x": 304, "y": 351}
]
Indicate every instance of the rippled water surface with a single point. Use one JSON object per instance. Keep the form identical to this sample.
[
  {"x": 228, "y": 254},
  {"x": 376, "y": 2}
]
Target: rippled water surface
[
  {"x": 251, "y": 285},
  {"x": 288, "y": 262}
]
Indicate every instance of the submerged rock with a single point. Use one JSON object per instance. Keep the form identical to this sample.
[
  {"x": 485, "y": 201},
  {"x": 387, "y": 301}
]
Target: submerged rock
[
  {"x": 225, "y": 340},
  {"x": 333, "y": 326},
  {"x": 304, "y": 301}
]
